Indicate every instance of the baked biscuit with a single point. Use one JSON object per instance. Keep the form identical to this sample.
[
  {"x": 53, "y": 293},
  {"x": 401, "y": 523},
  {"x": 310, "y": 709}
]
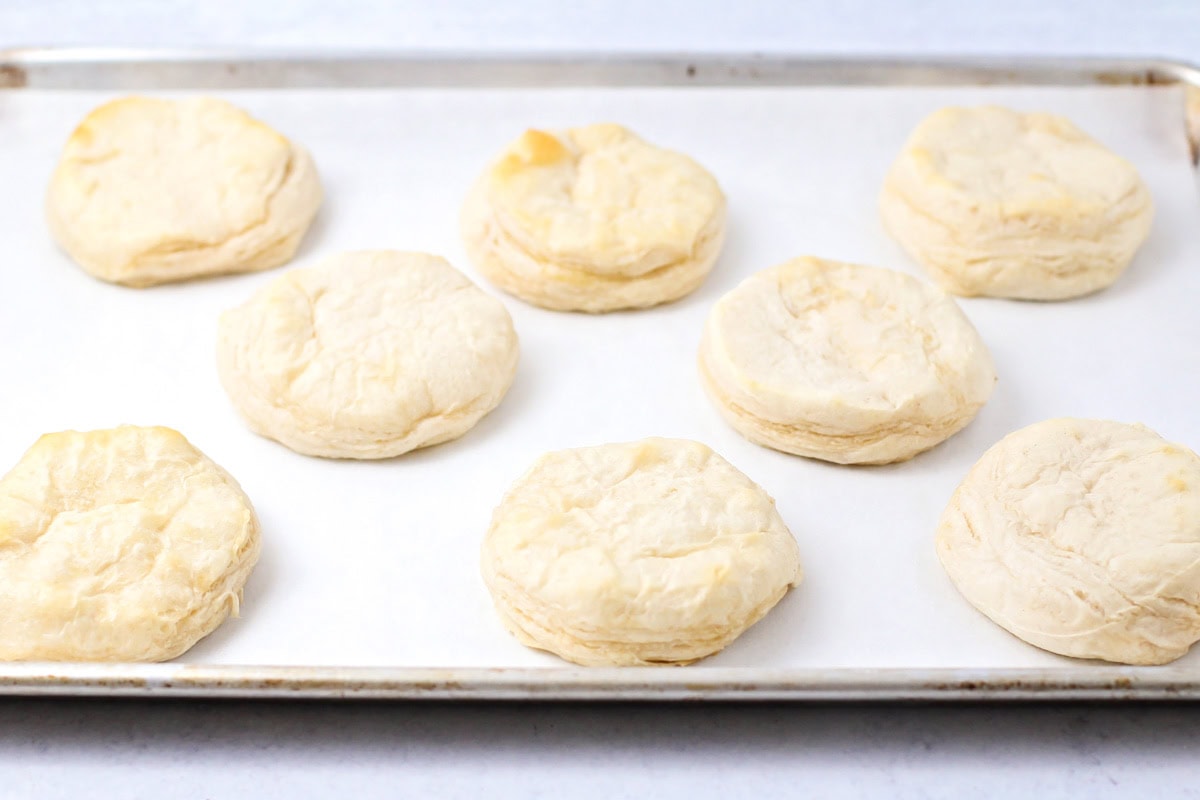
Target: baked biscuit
[
  {"x": 594, "y": 219},
  {"x": 846, "y": 363},
  {"x": 643, "y": 553},
  {"x": 997, "y": 203},
  {"x": 367, "y": 355},
  {"x": 149, "y": 191},
  {"x": 119, "y": 545},
  {"x": 1082, "y": 537}
]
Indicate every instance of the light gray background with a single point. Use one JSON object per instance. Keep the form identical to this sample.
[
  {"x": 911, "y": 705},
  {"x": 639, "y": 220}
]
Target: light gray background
[{"x": 51, "y": 749}]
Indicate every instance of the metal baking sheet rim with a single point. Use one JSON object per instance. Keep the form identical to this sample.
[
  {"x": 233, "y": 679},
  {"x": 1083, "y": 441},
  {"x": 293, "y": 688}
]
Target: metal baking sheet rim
[
  {"x": 132, "y": 69},
  {"x": 566, "y": 684}
]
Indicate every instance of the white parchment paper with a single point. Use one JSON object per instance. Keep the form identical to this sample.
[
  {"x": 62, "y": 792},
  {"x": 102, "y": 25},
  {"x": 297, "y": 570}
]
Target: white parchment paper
[{"x": 376, "y": 564}]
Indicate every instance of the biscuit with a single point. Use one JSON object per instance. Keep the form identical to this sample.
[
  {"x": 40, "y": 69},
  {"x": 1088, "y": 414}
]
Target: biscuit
[
  {"x": 993, "y": 202},
  {"x": 845, "y": 363},
  {"x": 150, "y": 191},
  {"x": 643, "y": 553},
  {"x": 119, "y": 545},
  {"x": 367, "y": 355},
  {"x": 1082, "y": 537},
  {"x": 594, "y": 219}
]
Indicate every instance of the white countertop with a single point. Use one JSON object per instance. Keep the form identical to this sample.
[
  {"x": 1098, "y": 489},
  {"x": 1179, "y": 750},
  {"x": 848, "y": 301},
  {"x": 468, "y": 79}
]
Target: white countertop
[{"x": 71, "y": 748}]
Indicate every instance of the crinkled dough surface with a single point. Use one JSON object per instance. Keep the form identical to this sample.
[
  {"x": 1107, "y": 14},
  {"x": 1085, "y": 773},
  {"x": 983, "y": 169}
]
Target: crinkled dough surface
[
  {"x": 1082, "y": 537},
  {"x": 994, "y": 202},
  {"x": 119, "y": 545},
  {"x": 650, "y": 552},
  {"x": 153, "y": 190},
  {"x": 367, "y": 355},
  {"x": 594, "y": 219},
  {"x": 843, "y": 362}
]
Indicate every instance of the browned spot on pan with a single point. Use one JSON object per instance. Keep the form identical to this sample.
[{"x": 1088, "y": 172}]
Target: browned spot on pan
[{"x": 12, "y": 76}]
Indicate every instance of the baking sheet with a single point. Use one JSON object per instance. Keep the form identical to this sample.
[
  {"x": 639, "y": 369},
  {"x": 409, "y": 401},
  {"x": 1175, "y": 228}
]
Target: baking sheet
[{"x": 375, "y": 564}]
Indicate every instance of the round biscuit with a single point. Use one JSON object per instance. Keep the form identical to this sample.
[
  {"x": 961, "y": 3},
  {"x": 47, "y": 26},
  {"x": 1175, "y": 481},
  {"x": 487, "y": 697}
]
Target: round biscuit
[
  {"x": 119, "y": 545},
  {"x": 1026, "y": 206},
  {"x": 1082, "y": 537},
  {"x": 842, "y": 362},
  {"x": 641, "y": 553},
  {"x": 150, "y": 191},
  {"x": 594, "y": 219},
  {"x": 367, "y": 355}
]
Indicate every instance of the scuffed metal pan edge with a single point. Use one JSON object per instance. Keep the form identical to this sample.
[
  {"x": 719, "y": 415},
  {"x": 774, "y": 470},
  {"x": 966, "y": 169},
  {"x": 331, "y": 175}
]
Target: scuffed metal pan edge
[{"x": 696, "y": 683}]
